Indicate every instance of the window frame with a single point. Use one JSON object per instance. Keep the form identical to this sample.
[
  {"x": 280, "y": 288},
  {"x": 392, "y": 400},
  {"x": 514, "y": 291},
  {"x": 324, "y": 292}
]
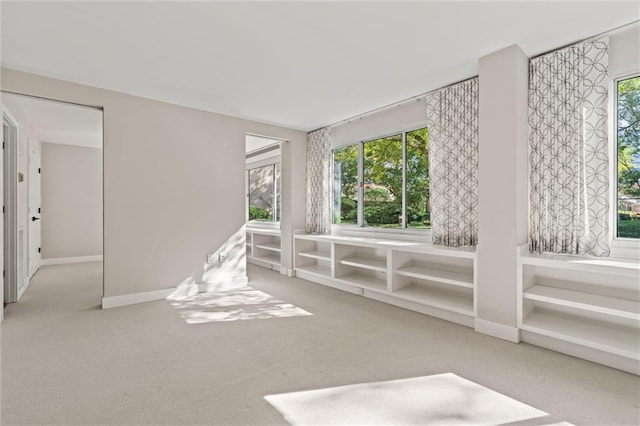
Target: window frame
[
  {"x": 360, "y": 226},
  {"x": 623, "y": 247},
  {"x": 277, "y": 192}
]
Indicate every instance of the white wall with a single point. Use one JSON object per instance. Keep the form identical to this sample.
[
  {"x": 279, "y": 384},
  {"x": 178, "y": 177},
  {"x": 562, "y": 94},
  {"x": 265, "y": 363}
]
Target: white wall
[
  {"x": 71, "y": 201},
  {"x": 502, "y": 188},
  {"x": 388, "y": 120},
  {"x": 624, "y": 52},
  {"x": 173, "y": 183}
]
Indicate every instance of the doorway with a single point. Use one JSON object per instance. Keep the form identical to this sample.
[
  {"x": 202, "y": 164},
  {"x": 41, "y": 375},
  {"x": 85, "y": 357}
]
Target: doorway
[{"x": 52, "y": 170}]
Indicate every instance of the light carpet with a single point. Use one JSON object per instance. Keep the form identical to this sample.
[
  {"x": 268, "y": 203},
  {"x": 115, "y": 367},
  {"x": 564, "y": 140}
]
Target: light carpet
[
  {"x": 442, "y": 399},
  {"x": 245, "y": 303}
]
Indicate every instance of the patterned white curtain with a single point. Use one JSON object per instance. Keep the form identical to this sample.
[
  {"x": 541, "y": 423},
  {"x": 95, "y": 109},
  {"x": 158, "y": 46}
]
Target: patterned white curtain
[
  {"x": 452, "y": 121},
  {"x": 568, "y": 158},
  {"x": 318, "y": 219}
]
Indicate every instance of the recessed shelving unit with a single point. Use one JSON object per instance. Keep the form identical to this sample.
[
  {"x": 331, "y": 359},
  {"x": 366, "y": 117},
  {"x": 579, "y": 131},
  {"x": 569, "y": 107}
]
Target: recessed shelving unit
[
  {"x": 415, "y": 275},
  {"x": 312, "y": 257},
  {"x": 264, "y": 247},
  {"x": 569, "y": 302}
]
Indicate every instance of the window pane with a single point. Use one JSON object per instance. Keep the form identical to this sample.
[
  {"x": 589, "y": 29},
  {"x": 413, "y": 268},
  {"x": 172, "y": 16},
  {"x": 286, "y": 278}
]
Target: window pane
[
  {"x": 383, "y": 182},
  {"x": 345, "y": 184},
  {"x": 261, "y": 200},
  {"x": 418, "y": 209},
  {"x": 629, "y": 158}
]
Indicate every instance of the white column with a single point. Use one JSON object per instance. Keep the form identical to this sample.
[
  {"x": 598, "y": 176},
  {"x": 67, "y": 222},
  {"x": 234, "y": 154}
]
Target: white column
[{"x": 503, "y": 190}]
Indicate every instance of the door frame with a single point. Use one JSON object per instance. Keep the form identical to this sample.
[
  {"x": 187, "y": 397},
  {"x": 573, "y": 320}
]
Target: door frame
[
  {"x": 10, "y": 198},
  {"x": 33, "y": 162}
]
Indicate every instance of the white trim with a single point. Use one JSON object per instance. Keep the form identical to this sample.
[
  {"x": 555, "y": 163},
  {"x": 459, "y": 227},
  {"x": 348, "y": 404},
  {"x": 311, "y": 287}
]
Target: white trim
[
  {"x": 590, "y": 354},
  {"x": 65, "y": 260},
  {"x": 494, "y": 329},
  {"x": 628, "y": 248},
  {"x": 24, "y": 287},
  {"x": 155, "y": 295},
  {"x": 134, "y": 298},
  {"x": 395, "y": 233}
]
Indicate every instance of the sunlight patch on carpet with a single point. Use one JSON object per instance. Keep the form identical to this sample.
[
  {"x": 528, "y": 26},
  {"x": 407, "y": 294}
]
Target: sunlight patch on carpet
[
  {"x": 443, "y": 399},
  {"x": 245, "y": 303}
]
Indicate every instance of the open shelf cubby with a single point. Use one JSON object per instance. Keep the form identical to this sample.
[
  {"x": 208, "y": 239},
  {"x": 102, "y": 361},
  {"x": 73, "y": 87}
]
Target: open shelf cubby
[
  {"x": 436, "y": 280},
  {"x": 313, "y": 257},
  {"x": 364, "y": 267},
  {"x": 264, "y": 247}
]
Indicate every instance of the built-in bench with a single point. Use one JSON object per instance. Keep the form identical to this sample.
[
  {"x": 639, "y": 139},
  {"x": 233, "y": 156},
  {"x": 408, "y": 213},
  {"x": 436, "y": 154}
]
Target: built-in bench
[{"x": 434, "y": 280}]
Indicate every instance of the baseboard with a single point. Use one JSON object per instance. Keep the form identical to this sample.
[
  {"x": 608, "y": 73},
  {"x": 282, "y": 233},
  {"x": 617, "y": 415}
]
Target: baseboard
[
  {"x": 288, "y": 272},
  {"x": 65, "y": 260},
  {"x": 494, "y": 329},
  {"x": 154, "y": 295},
  {"x": 594, "y": 355},
  {"x": 135, "y": 298}
]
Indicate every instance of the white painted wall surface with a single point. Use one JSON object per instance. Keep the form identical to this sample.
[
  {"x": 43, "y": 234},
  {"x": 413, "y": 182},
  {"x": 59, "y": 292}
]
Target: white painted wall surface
[
  {"x": 502, "y": 182},
  {"x": 393, "y": 119},
  {"x": 624, "y": 52},
  {"x": 173, "y": 183},
  {"x": 71, "y": 201}
]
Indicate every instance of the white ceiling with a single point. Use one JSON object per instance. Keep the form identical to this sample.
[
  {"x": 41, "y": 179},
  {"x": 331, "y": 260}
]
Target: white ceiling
[
  {"x": 57, "y": 122},
  {"x": 299, "y": 64}
]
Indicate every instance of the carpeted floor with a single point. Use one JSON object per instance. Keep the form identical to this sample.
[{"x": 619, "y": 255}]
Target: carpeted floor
[
  {"x": 245, "y": 303},
  {"x": 64, "y": 361}
]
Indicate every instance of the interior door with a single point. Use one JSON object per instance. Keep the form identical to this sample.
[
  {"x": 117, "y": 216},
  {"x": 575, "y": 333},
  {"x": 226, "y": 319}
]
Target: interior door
[{"x": 35, "y": 230}]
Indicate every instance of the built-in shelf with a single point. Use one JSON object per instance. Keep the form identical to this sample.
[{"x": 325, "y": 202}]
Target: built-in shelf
[
  {"x": 594, "y": 303},
  {"x": 365, "y": 281},
  {"x": 585, "y": 301},
  {"x": 437, "y": 297},
  {"x": 264, "y": 247},
  {"x": 414, "y": 275},
  {"x": 269, "y": 246},
  {"x": 320, "y": 255},
  {"x": 316, "y": 269},
  {"x": 609, "y": 337},
  {"x": 365, "y": 263},
  {"x": 445, "y": 277}
]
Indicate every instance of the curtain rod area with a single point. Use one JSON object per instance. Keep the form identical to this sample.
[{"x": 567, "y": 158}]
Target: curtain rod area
[
  {"x": 594, "y": 37},
  {"x": 389, "y": 106}
]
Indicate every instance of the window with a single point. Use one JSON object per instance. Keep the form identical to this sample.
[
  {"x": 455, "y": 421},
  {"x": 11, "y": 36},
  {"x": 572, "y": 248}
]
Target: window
[
  {"x": 628, "y": 149},
  {"x": 393, "y": 173},
  {"x": 264, "y": 193},
  {"x": 345, "y": 185}
]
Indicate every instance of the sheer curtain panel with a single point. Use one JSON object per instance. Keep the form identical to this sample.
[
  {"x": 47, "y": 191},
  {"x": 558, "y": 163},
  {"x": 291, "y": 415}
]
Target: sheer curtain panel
[
  {"x": 568, "y": 154},
  {"x": 452, "y": 121},
  {"x": 318, "y": 214}
]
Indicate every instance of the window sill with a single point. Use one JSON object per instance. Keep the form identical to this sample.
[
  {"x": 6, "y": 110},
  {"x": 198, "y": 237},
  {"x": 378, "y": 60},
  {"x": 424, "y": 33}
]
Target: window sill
[
  {"x": 422, "y": 235},
  {"x": 271, "y": 226}
]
